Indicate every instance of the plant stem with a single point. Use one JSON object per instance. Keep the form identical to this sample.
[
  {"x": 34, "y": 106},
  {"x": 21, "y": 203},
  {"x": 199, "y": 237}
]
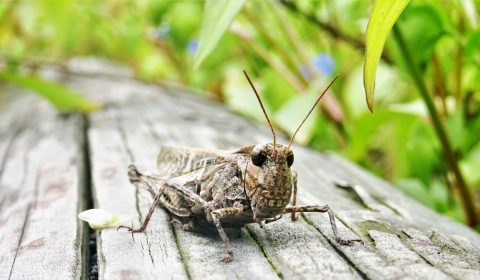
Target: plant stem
[
  {"x": 461, "y": 186},
  {"x": 459, "y": 64},
  {"x": 439, "y": 82}
]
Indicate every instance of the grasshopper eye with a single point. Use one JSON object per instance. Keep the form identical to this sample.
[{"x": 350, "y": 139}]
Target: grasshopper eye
[
  {"x": 258, "y": 158},
  {"x": 290, "y": 160}
]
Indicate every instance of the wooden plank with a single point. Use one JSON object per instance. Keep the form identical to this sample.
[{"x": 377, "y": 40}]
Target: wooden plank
[
  {"x": 299, "y": 251},
  {"x": 40, "y": 197},
  {"x": 381, "y": 223},
  {"x": 462, "y": 261},
  {"x": 122, "y": 255},
  {"x": 15, "y": 111},
  {"x": 398, "y": 202},
  {"x": 15, "y": 198}
]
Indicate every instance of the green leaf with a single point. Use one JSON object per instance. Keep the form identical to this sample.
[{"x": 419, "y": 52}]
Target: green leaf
[
  {"x": 473, "y": 44},
  {"x": 276, "y": 91},
  {"x": 291, "y": 114},
  {"x": 457, "y": 130},
  {"x": 414, "y": 188},
  {"x": 423, "y": 28},
  {"x": 185, "y": 17},
  {"x": 422, "y": 152},
  {"x": 470, "y": 166},
  {"x": 384, "y": 15},
  {"x": 59, "y": 96},
  {"x": 239, "y": 96},
  {"x": 368, "y": 131},
  {"x": 385, "y": 94},
  {"x": 217, "y": 17}
]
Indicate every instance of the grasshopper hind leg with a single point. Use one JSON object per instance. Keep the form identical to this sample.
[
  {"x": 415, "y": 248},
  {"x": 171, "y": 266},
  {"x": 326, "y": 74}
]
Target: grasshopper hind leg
[
  {"x": 156, "y": 185},
  {"x": 147, "y": 182},
  {"x": 147, "y": 217}
]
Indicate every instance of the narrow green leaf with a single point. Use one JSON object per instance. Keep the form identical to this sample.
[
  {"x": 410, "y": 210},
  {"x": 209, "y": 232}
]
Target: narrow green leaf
[
  {"x": 59, "y": 96},
  {"x": 422, "y": 27},
  {"x": 384, "y": 15},
  {"x": 217, "y": 17}
]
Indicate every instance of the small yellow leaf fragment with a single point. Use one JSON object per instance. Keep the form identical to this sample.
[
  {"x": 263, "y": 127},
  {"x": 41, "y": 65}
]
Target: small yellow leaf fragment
[{"x": 99, "y": 219}]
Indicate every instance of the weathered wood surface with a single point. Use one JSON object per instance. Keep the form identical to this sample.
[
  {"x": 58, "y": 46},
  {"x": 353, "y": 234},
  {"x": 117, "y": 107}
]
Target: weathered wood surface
[
  {"x": 52, "y": 165},
  {"x": 41, "y": 184}
]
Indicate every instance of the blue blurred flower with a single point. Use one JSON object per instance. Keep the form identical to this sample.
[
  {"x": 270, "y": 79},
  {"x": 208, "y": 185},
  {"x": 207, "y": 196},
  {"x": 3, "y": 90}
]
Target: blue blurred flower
[
  {"x": 324, "y": 63},
  {"x": 192, "y": 46}
]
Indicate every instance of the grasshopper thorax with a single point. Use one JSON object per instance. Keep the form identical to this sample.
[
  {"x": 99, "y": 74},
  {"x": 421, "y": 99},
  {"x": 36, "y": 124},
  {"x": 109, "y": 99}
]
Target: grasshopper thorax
[{"x": 269, "y": 179}]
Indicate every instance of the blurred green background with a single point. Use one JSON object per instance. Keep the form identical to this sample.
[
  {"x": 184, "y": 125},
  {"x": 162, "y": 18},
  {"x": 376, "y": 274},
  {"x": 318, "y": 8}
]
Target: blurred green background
[{"x": 292, "y": 49}]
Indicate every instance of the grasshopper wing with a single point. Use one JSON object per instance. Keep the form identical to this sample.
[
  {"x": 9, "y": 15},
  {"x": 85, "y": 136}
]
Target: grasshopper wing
[{"x": 178, "y": 161}]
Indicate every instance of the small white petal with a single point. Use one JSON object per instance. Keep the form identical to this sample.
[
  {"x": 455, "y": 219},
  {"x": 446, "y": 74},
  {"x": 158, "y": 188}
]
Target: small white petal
[{"x": 101, "y": 219}]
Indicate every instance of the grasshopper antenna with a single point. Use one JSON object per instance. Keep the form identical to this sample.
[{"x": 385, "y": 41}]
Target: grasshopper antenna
[
  {"x": 311, "y": 110},
  {"x": 263, "y": 109}
]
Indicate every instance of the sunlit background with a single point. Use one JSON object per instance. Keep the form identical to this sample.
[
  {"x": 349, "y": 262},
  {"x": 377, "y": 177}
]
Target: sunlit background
[{"x": 292, "y": 50}]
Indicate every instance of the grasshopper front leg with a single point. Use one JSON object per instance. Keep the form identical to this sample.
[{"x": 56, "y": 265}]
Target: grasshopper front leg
[
  {"x": 217, "y": 215},
  {"x": 331, "y": 215}
]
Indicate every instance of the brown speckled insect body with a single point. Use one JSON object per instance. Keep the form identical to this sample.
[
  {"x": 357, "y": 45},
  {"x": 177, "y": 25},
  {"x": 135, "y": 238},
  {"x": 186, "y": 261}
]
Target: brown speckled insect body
[{"x": 202, "y": 187}]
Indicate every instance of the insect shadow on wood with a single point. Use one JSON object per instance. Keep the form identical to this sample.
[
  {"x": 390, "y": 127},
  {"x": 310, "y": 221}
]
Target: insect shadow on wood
[{"x": 206, "y": 187}]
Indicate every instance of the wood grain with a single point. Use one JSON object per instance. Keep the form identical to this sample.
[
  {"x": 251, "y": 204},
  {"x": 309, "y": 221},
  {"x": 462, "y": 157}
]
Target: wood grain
[
  {"x": 122, "y": 255},
  {"x": 40, "y": 194}
]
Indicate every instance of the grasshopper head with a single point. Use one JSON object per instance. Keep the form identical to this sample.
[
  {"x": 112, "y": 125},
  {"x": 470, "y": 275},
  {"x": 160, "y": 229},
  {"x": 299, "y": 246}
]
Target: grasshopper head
[{"x": 269, "y": 179}]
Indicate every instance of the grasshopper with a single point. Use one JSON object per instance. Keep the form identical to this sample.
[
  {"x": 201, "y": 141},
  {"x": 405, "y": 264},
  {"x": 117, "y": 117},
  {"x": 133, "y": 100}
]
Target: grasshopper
[{"x": 203, "y": 187}]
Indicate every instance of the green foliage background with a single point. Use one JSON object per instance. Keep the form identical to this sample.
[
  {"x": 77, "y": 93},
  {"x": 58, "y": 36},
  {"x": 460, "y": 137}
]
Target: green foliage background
[{"x": 292, "y": 50}]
